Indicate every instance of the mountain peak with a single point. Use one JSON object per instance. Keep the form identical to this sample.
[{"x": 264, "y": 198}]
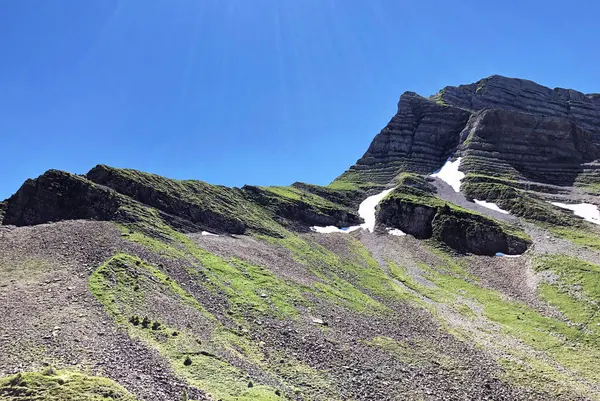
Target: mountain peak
[{"x": 425, "y": 132}]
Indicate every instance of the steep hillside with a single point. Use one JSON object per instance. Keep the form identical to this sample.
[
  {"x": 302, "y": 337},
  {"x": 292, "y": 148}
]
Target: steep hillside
[{"x": 459, "y": 259}]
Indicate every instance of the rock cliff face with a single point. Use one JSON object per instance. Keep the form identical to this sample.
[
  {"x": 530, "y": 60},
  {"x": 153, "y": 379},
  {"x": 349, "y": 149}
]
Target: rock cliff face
[
  {"x": 526, "y": 146},
  {"x": 502, "y": 126},
  {"x": 300, "y": 210},
  {"x": 498, "y": 92},
  {"x": 471, "y": 233},
  {"x": 176, "y": 198}
]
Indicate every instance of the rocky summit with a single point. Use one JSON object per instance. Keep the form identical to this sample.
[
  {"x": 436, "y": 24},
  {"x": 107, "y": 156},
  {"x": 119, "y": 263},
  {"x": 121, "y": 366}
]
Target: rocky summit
[{"x": 458, "y": 259}]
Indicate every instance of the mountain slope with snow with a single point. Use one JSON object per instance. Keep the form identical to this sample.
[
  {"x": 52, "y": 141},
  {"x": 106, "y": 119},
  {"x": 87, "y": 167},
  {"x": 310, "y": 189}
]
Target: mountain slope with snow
[{"x": 467, "y": 269}]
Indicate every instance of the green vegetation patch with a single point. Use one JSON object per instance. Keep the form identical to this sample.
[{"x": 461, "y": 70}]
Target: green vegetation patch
[
  {"x": 347, "y": 195},
  {"x": 296, "y": 204},
  {"x": 439, "y": 98},
  {"x": 352, "y": 278},
  {"x": 203, "y": 364},
  {"x": 589, "y": 182},
  {"x": 579, "y": 235},
  {"x": 414, "y": 180},
  {"x": 123, "y": 282},
  {"x": 60, "y": 385},
  {"x": 375, "y": 177},
  {"x": 121, "y": 285},
  {"x": 575, "y": 291},
  {"x": 565, "y": 354},
  {"x": 572, "y": 348}
]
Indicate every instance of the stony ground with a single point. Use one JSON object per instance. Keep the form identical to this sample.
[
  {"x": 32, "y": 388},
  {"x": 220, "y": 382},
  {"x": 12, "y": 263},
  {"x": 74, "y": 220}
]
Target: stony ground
[{"x": 422, "y": 348}]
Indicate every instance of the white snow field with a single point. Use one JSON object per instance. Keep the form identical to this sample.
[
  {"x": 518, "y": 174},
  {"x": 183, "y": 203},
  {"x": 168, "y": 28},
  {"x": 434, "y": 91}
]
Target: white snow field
[
  {"x": 210, "y": 234},
  {"x": 366, "y": 210},
  {"x": 450, "y": 175},
  {"x": 491, "y": 206},
  {"x": 586, "y": 210}
]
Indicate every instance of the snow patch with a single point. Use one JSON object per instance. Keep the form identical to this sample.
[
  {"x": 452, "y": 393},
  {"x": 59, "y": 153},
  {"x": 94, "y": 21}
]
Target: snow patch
[
  {"x": 506, "y": 256},
  {"x": 396, "y": 232},
  {"x": 586, "y": 210},
  {"x": 366, "y": 210},
  {"x": 449, "y": 174},
  {"x": 333, "y": 229},
  {"x": 491, "y": 206},
  {"x": 210, "y": 234}
]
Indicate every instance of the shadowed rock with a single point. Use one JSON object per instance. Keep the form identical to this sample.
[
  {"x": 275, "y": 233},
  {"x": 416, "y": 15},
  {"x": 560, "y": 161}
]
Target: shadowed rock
[{"x": 57, "y": 195}]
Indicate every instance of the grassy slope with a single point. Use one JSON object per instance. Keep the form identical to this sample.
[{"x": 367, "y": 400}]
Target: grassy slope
[
  {"x": 559, "y": 356},
  {"x": 508, "y": 196},
  {"x": 52, "y": 385},
  {"x": 541, "y": 360}
]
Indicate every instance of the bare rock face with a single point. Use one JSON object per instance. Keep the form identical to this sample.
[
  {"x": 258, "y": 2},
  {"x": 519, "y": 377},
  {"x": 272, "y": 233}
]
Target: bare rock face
[
  {"x": 419, "y": 138},
  {"x": 524, "y": 146},
  {"x": 468, "y": 232},
  {"x": 410, "y": 217}
]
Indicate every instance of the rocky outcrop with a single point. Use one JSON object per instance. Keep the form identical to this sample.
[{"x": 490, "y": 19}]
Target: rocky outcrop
[
  {"x": 419, "y": 138},
  {"x": 468, "y": 232},
  {"x": 56, "y": 196},
  {"x": 122, "y": 195},
  {"x": 351, "y": 197},
  {"x": 410, "y": 217},
  {"x": 229, "y": 210},
  {"x": 425, "y": 216}
]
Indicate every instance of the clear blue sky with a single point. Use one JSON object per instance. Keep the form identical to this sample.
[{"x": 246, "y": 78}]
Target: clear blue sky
[{"x": 255, "y": 91}]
